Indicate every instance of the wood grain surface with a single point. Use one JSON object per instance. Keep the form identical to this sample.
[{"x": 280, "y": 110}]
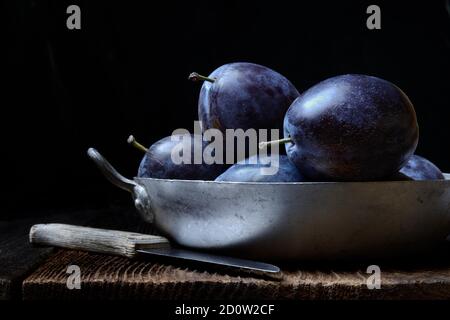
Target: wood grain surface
[
  {"x": 18, "y": 258},
  {"x": 108, "y": 277}
]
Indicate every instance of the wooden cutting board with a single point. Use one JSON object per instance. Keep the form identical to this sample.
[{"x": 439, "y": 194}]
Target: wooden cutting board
[{"x": 108, "y": 277}]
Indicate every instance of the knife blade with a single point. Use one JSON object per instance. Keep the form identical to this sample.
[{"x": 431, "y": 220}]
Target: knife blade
[{"x": 207, "y": 258}]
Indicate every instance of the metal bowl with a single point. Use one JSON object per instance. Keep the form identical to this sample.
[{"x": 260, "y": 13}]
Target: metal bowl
[{"x": 294, "y": 221}]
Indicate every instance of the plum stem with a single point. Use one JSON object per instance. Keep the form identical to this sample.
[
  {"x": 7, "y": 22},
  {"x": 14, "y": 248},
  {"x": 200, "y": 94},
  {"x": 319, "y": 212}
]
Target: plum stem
[
  {"x": 132, "y": 141},
  {"x": 194, "y": 76},
  {"x": 264, "y": 144}
]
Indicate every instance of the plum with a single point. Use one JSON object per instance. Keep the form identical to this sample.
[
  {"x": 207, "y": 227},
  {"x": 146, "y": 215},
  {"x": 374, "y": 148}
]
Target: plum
[
  {"x": 158, "y": 162},
  {"x": 351, "y": 128},
  {"x": 249, "y": 170},
  {"x": 419, "y": 168},
  {"x": 242, "y": 96}
]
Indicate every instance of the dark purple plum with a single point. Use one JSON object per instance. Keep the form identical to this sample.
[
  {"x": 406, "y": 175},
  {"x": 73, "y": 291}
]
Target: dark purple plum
[
  {"x": 243, "y": 96},
  {"x": 351, "y": 128},
  {"x": 249, "y": 170},
  {"x": 157, "y": 162},
  {"x": 419, "y": 168}
]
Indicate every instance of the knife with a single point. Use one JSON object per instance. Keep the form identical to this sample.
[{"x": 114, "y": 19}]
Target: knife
[{"x": 131, "y": 245}]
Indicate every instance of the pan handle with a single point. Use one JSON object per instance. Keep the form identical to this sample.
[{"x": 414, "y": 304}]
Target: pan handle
[
  {"x": 140, "y": 196},
  {"x": 109, "y": 172}
]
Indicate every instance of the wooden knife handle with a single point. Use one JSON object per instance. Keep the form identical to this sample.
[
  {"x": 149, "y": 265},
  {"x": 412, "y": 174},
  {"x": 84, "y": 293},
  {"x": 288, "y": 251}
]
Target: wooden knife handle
[{"x": 96, "y": 240}]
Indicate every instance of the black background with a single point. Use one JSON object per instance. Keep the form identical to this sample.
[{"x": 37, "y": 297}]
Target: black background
[{"x": 126, "y": 72}]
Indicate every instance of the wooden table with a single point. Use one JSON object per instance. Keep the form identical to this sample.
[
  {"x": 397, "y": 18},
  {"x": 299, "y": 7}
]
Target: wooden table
[{"x": 41, "y": 273}]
